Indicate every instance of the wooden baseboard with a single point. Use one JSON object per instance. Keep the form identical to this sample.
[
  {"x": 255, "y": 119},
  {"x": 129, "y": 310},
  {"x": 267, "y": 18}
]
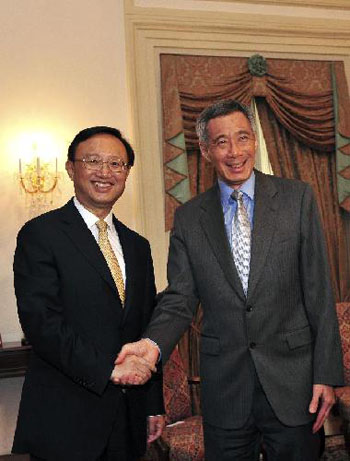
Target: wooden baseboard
[{"x": 14, "y": 457}]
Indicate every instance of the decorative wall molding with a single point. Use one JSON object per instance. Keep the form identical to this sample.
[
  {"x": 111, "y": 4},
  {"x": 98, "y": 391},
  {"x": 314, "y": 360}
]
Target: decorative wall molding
[
  {"x": 151, "y": 32},
  {"x": 334, "y": 4}
]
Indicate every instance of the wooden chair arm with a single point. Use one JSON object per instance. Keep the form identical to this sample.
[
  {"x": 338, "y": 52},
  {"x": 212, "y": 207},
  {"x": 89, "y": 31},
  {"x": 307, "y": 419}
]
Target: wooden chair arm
[{"x": 194, "y": 380}]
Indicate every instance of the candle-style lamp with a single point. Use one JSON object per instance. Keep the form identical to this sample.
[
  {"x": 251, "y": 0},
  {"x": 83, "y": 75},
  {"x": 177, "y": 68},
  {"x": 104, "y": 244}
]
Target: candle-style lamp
[{"x": 36, "y": 176}]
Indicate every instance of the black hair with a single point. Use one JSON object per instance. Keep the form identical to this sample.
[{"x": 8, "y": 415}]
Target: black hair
[
  {"x": 220, "y": 109},
  {"x": 88, "y": 133}
]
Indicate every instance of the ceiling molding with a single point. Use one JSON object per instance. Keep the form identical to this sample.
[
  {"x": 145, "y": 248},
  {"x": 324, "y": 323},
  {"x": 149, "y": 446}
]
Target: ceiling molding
[{"x": 215, "y": 26}]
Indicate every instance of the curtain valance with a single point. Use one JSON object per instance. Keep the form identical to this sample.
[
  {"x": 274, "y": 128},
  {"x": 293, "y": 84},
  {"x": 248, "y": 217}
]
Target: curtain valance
[{"x": 309, "y": 98}]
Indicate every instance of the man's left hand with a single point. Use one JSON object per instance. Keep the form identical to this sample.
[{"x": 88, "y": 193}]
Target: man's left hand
[
  {"x": 326, "y": 395},
  {"x": 155, "y": 426}
]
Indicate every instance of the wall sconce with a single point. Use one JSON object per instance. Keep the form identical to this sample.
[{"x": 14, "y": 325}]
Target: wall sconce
[{"x": 36, "y": 176}]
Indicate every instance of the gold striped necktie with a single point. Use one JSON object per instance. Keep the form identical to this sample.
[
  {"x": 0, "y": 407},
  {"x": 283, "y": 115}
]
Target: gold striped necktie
[{"x": 111, "y": 259}]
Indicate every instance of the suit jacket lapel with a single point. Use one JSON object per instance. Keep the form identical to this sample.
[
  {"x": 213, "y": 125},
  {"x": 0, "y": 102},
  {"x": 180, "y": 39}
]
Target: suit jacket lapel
[
  {"x": 265, "y": 208},
  {"x": 212, "y": 221},
  {"x": 76, "y": 229}
]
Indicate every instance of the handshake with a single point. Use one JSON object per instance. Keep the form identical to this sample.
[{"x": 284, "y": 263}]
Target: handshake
[{"x": 135, "y": 363}]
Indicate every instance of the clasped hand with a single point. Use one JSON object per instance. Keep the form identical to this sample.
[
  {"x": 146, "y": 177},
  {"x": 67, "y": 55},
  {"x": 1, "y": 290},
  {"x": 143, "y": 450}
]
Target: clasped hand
[{"x": 135, "y": 363}]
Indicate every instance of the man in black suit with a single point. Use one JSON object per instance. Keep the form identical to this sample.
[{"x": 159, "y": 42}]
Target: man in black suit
[
  {"x": 251, "y": 251},
  {"x": 85, "y": 286}
]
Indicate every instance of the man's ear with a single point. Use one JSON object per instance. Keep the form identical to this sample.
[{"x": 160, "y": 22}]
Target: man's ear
[
  {"x": 205, "y": 151},
  {"x": 70, "y": 169}
]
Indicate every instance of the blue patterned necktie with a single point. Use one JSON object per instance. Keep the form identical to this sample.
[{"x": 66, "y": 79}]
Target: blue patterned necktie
[{"x": 241, "y": 238}]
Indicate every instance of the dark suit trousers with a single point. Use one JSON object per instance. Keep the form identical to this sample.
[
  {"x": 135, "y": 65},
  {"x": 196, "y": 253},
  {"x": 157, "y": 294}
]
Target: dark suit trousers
[
  {"x": 119, "y": 446},
  {"x": 280, "y": 442}
]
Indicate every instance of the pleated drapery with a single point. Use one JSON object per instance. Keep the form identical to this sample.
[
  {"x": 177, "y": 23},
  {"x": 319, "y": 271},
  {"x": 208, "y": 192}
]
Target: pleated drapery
[
  {"x": 301, "y": 95},
  {"x": 291, "y": 159},
  {"x": 304, "y": 111}
]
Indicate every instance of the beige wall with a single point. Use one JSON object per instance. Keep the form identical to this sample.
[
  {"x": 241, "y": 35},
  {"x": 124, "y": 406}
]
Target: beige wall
[{"x": 62, "y": 69}]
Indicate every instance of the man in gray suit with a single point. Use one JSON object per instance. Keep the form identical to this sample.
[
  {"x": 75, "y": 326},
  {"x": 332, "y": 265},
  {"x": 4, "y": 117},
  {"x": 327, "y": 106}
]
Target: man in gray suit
[{"x": 256, "y": 261}]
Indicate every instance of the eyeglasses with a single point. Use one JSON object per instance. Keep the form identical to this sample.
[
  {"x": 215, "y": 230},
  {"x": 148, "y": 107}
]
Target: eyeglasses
[{"x": 95, "y": 164}]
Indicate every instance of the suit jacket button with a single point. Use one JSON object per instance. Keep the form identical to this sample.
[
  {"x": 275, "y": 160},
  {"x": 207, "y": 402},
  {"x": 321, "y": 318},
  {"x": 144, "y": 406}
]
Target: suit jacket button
[
  {"x": 249, "y": 308},
  {"x": 252, "y": 345}
]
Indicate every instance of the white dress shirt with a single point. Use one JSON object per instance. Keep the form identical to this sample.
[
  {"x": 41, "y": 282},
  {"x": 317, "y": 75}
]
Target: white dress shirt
[{"x": 90, "y": 220}]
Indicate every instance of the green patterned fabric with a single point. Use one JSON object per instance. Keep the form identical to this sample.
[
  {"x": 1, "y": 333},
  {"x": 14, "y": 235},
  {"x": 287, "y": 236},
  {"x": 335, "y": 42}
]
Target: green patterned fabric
[
  {"x": 181, "y": 190},
  {"x": 342, "y": 151}
]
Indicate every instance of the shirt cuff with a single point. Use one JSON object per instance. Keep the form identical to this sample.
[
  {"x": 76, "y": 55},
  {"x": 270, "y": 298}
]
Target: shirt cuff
[{"x": 156, "y": 345}]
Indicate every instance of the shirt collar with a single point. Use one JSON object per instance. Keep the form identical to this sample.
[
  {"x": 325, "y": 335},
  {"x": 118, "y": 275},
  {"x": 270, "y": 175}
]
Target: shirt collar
[
  {"x": 247, "y": 188},
  {"x": 89, "y": 218}
]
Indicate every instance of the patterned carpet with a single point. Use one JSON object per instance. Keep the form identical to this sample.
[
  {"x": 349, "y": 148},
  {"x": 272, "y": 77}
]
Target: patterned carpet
[{"x": 335, "y": 449}]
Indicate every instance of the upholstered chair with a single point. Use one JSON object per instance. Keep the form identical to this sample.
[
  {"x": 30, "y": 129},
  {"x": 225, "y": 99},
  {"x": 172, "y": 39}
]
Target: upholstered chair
[
  {"x": 182, "y": 438},
  {"x": 343, "y": 393}
]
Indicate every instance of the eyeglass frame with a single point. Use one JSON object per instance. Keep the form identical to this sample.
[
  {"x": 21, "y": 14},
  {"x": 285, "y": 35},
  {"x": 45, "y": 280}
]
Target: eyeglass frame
[{"x": 99, "y": 162}]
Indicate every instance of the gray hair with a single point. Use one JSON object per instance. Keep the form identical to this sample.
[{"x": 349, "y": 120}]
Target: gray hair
[{"x": 220, "y": 109}]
